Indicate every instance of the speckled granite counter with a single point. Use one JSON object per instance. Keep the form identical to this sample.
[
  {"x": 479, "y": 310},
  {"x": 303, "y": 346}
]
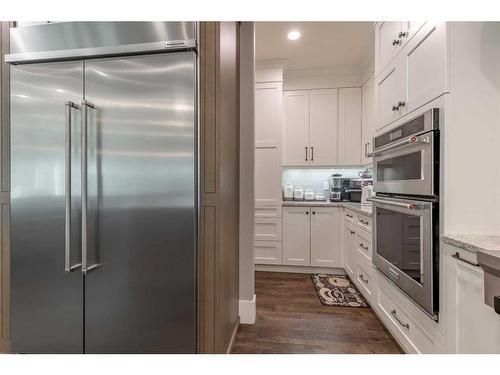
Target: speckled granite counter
[
  {"x": 356, "y": 207},
  {"x": 474, "y": 242}
]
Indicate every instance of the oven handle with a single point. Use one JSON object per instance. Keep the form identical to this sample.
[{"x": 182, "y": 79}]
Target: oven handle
[
  {"x": 413, "y": 140},
  {"x": 408, "y": 206}
]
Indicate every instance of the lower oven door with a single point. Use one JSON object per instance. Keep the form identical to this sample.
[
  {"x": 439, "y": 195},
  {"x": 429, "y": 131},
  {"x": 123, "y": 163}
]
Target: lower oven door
[{"x": 406, "y": 249}]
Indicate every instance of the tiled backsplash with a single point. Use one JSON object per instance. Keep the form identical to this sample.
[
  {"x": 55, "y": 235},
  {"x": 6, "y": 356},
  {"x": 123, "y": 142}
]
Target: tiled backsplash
[{"x": 313, "y": 178}]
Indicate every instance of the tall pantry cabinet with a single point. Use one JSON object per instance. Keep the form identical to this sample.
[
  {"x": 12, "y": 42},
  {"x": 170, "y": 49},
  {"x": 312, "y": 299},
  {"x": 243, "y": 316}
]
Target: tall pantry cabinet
[{"x": 268, "y": 119}]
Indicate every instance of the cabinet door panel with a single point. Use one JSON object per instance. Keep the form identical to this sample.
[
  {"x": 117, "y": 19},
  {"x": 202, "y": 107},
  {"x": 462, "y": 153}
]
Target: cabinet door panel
[
  {"x": 386, "y": 34},
  {"x": 389, "y": 91},
  {"x": 267, "y": 176},
  {"x": 424, "y": 60},
  {"x": 268, "y": 97},
  {"x": 296, "y": 236},
  {"x": 349, "y": 249},
  {"x": 368, "y": 118},
  {"x": 325, "y": 232},
  {"x": 349, "y": 142},
  {"x": 268, "y": 252},
  {"x": 323, "y": 127},
  {"x": 296, "y": 128}
]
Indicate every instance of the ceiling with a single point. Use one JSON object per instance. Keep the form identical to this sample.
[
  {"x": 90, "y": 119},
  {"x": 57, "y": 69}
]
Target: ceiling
[{"x": 322, "y": 45}]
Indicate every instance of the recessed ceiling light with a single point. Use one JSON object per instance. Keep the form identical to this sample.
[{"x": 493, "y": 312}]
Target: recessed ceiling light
[{"x": 293, "y": 35}]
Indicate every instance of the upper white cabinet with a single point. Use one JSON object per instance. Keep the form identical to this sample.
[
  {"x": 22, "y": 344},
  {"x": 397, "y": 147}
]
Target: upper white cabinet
[
  {"x": 323, "y": 127},
  {"x": 296, "y": 128},
  {"x": 268, "y": 108},
  {"x": 296, "y": 236},
  {"x": 417, "y": 74},
  {"x": 325, "y": 241},
  {"x": 367, "y": 119},
  {"x": 471, "y": 325},
  {"x": 349, "y": 140}
]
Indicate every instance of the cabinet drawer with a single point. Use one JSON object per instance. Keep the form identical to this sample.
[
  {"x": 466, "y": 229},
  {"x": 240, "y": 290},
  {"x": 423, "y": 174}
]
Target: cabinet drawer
[
  {"x": 349, "y": 216},
  {"x": 364, "y": 222},
  {"x": 364, "y": 276},
  {"x": 267, "y": 211},
  {"x": 268, "y": 252},
  {"x": 267, "y": 229},
  {"x": 414, "y": 330},
  {"x": 364, "y": 244}
]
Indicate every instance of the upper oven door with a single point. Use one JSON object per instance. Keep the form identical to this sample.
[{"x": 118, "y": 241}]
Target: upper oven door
[
  {"x": 404, "y": 246},
  {"x": 407, "y": 167}
]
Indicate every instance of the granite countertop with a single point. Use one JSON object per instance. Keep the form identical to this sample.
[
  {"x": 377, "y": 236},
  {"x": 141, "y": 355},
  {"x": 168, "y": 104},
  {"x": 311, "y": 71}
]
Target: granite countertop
[
  {"x": 354, "y": 206},
  {"x": 489, "y": 244}
]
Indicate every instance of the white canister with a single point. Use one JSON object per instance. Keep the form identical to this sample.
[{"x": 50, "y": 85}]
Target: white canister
[
  {"x": 298, "y": 193},
  {"x": 287, "y": 191},
  {"x": 309, "y": 195}
]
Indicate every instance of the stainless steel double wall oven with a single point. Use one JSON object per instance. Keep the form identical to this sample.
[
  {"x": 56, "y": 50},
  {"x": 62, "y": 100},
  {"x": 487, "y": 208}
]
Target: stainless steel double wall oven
[{"x": 406, "y": 208}]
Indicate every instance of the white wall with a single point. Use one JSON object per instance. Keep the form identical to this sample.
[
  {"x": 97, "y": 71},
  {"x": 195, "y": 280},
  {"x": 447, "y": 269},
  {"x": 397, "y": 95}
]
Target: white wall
[
  {"x": 472, "y": 130},
  {"x": 247, "y": 136}
]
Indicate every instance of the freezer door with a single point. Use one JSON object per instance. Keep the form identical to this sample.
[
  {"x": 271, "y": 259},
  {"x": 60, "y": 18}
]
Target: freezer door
[
  {"x": 140, "y": 293},
  {"x": 47, "y": 301}
]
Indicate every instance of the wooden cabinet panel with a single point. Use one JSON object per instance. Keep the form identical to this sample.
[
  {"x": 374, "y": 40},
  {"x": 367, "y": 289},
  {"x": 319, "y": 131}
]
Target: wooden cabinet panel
[
  {"x": 296, "y": 236},
  {"x": 296, "y": 128},
  {"x": 268, "y": 98},
  {"x": 323, "y": 127},
  {"x": 349, "y": 142},
  {"x": 325, "y": 244}
]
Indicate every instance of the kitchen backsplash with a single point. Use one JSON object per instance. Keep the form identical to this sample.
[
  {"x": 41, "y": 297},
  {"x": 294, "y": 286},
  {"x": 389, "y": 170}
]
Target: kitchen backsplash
[{"x": 313, "y": 178}]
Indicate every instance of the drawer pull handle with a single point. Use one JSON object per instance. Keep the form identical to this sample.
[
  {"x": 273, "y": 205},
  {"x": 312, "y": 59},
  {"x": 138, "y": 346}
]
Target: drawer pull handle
[
  {"x": 365, "y": 222},
  {"x": 395, "y": 315},
  {"x": 457, "y": 256},
  {"x": 352, "y": 232},
  {"x": 362, "y": 278},
  {"x": 363, "y": 246},
  {"x": 396, "y": 42},
  {"x": 349, "y": 216}
]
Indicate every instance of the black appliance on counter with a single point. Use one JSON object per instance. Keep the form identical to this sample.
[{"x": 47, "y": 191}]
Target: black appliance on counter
[{"x": 351, "y": 189}]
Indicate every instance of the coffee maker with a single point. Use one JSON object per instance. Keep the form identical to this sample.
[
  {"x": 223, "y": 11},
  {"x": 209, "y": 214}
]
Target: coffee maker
[{"x": 335, "y": 187}]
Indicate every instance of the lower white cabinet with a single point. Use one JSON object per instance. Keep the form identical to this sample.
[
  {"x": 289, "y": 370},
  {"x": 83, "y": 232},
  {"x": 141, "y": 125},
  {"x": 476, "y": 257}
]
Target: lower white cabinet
[
  {"x": 311, "y": 236},
  {"x": 296, "y": 236},
  {"x": 471, "y": 325},
  {"x": 325, "y": 241},
  {"x": 349, "y": 249},
  {"x": 268, "y": 252}
]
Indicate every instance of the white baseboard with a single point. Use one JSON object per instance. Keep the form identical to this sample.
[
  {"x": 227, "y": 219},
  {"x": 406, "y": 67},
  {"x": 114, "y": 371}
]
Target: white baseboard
[
  {"x": 298, "y": 269},
  {"x": 247, "y": 311}
]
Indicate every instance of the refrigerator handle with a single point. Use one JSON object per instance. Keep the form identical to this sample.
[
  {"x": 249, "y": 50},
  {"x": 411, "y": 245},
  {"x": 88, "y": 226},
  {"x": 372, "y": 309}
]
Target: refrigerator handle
[
  {"x": 85, "y": 114},
  {"x": 68, "y": 268}
]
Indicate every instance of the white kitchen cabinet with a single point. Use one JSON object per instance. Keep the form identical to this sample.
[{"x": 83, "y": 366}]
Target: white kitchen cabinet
[
  {"x": 267, "y": 176},
  {"x": 296, "y": 236},
  {"x": 349, "y": 141},
  {"x": 323, "y": 127},
  {"x": 389, "y": 93},
  {"x": 296, "y": 128},
  {"x": 268, "y": 252},
  {"x": 268, "y": 98},
  {"x": 471, "y": 325},
  {"x": 425, "y": 64},
  {"x": 367, "y": 119},
  {"x": 387, "y": 42},
  {"x": 350, "y": 250},
  {"x": 415, "y": 76},
  {"x": 325, "y": 242}
]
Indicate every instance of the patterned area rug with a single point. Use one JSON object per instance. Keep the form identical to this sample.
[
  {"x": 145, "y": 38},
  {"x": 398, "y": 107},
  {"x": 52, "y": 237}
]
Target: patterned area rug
[{"x": 335, "y": 290}]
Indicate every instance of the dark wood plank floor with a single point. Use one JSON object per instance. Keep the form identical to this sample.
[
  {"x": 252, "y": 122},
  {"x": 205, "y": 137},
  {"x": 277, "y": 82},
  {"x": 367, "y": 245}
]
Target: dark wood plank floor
[{"x": 291, "y": 319}]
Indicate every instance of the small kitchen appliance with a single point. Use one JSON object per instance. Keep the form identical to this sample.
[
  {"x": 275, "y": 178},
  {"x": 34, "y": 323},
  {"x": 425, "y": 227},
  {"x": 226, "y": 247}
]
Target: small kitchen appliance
[{"x": 336, "y": 187}]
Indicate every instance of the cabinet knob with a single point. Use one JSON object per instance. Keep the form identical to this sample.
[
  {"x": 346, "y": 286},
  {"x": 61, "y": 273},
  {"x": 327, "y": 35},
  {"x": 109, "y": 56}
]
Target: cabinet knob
[
  {"x": 395, "y": 108},
  {"x": 307, "y": 212},
  {"x": 402, "y": 34},
  {"x": 314, "y": 213},
  {"x": 401, "y": 104},
  {"x": 396, "y": 42}
]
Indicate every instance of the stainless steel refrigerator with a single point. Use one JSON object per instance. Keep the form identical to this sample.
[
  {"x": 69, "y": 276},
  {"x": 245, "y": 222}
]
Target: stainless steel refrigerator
[{"x": 104, "y": 187}]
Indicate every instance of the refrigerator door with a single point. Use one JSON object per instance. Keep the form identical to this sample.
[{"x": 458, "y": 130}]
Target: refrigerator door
[
  {"x": 141, "y": 296},
  {"x": 47, "y": 302}
]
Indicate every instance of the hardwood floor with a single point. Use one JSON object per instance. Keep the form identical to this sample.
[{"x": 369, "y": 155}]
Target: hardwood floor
[{"x": 291, "y": 319}]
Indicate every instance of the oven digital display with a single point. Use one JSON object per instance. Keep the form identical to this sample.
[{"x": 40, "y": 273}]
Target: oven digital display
[{"x": 395, "y": 135}]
